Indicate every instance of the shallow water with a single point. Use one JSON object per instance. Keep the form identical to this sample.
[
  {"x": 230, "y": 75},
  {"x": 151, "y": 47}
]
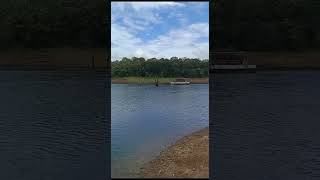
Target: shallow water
[
  {"x": 265, "y": 125},
  {"x": 52, "y": 125},
  {"x": 146, "y": 119}
]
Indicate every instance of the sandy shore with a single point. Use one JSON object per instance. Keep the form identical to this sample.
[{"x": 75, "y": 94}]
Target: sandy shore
[{"x": 187, "y": 158}]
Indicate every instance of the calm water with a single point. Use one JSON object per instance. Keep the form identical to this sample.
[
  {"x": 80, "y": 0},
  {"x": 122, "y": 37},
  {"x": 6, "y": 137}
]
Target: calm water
[
  {"x": 52, "y": 125},
  {"x": 146, "y": 119},
  {"x": 266, "y": 125}
]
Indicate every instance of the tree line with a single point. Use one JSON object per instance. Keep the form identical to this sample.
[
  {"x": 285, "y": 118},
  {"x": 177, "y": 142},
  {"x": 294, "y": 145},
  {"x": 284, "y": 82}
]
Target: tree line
[
  {"x": 53, "y": 23},
  {"x": 265, "y": 25},
  {"x": 153, "y": 67}
]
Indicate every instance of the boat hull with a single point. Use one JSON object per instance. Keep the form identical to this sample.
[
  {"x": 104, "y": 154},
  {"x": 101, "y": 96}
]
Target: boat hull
[{"x": 179, "y": 83}]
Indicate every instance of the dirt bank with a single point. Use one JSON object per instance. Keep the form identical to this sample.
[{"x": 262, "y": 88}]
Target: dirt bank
[{"x": 187, "y": 158}]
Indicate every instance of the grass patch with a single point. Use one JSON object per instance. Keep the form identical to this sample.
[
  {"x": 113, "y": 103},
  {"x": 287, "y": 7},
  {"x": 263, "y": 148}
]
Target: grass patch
[{"x": 150, "y": 80}]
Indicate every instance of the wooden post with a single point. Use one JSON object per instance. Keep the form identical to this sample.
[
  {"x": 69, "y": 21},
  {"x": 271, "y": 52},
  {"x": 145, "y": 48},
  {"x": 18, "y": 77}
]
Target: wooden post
[
  {"x": 92, "y": 63},
  {"x": 157, "y": 82}
]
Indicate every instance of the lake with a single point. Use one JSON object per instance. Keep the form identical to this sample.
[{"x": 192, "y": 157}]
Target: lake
[
  {"x": 145, "y": 119},
  {"x": 265, "y": 125},
  {"x": 53, "y": 125}
]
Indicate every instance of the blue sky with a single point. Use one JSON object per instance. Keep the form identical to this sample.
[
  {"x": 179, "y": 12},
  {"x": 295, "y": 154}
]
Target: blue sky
[{"x": 159, "y": 29}]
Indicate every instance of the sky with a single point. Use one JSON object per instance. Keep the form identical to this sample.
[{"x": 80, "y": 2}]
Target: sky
[{"x": 159, "y": 29}]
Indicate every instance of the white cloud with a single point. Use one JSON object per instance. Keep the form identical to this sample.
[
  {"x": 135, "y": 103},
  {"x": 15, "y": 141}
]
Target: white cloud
[
  {"x": 179, "y": 16},
  {"x": 139, "y": 16},
  {"x": 134, "y": 25},
  {"x": 184, "y": 42},
  {"x": 131, "y": 18},
  {"x": 123, "y": 42},
  {"x": 139, "y": 52},
  {"x": 145, "y": 5}
]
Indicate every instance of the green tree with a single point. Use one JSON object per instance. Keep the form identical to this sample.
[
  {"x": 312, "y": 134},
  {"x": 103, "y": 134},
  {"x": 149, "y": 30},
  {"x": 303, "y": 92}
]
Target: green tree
[{"x": 173, "y": 67}]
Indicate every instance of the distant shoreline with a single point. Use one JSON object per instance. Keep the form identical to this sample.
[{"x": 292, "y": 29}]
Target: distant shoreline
[
  {"x": 286, "y": 68},
  {"x": 264, "y": 69},
  {"x": 54, "y": 59},
  {"x": 148, "y": 80},
  {"x": 120, "y": 80},
  {"x": 96, "y": 59},
  {"x": 47, "y": 68},
  {"x": 303, "y": 60},
  {"x": 187, "y": 158}
]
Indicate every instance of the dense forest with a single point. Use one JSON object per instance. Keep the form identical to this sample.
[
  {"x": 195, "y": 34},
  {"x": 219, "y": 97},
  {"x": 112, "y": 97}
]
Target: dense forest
[
  {"x": 173, "y": 67},
  {"x": 265, "y": 25},
  {"x": 53, "y": 23}
]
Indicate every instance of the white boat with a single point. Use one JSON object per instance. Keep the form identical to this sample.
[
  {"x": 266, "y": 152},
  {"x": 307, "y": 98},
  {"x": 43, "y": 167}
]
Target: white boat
[{"x": 180, "y": 81}]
